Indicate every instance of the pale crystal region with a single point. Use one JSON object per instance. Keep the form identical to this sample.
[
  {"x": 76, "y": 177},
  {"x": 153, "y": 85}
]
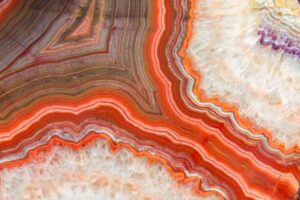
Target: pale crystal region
[
  {"x": 92, "y": 172},
  {"x": 261, "y": 81}
]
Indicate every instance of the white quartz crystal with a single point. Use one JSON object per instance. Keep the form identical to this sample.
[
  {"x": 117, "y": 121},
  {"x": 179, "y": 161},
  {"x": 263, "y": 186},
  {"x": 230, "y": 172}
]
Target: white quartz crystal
[
  {"x": 93, "y": 172},
  {"x": 261, "y": 82}
]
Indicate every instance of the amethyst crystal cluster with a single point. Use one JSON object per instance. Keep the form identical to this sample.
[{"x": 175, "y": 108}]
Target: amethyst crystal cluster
[{"x": 277, "y": 41}]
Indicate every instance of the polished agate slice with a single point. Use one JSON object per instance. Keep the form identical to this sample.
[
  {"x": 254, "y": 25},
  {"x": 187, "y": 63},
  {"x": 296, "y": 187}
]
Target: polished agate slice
[{"x": 149, "y": 99}]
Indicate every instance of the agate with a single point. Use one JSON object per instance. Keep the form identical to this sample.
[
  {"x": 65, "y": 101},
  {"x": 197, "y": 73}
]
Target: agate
[{"x": 140, "y": 99}]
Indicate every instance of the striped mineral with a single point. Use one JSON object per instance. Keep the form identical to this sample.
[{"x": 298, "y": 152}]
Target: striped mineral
[{"x": 149, "y": 99}]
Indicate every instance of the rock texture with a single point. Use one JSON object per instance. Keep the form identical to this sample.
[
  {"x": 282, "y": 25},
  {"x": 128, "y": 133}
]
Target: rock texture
[{"x": 139, "y": 99}]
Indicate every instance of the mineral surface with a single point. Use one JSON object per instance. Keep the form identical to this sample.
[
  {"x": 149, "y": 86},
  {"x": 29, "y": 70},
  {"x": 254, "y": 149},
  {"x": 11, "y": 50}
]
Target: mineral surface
[{"x": 150, "y": 99}]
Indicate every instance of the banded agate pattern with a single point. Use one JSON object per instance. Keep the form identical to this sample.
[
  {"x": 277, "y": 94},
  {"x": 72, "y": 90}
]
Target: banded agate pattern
[{"x": 141, "y": 99}]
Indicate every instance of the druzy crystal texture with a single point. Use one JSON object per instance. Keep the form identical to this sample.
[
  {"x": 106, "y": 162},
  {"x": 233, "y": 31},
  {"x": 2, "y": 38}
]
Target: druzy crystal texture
[{"x": 150, "y": 99}]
